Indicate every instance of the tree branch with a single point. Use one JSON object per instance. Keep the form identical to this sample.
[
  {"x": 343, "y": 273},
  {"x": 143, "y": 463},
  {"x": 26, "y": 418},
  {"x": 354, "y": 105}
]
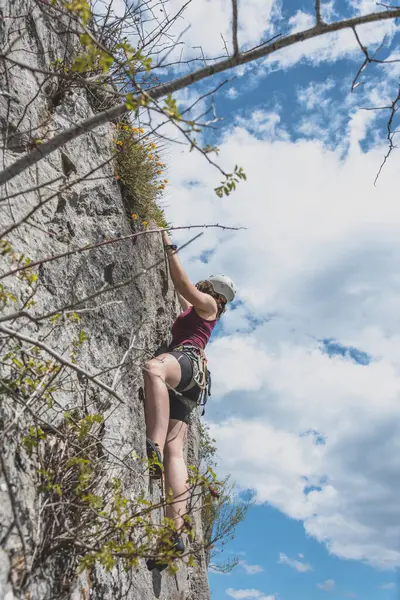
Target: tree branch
[
  {"x": 182, "y": 82},
  {"x": 318, "y": 12},
  {"x": 60, "y": 359},
  {"x": 235, "y": 28}
]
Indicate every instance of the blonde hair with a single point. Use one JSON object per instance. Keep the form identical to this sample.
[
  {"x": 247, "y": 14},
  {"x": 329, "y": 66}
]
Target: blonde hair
[{"x": 207, "y": 288}]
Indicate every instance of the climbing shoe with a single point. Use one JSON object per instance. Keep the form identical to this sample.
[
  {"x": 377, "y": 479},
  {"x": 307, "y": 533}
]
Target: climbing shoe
[
  {"x": 153, "y": 452},
  {"x": 178, "y": 548}
]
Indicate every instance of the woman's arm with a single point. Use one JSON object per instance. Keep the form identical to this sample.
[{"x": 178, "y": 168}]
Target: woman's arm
[
  {"x": 202, "y": 302},
  {"x": 184, "y": 303}
]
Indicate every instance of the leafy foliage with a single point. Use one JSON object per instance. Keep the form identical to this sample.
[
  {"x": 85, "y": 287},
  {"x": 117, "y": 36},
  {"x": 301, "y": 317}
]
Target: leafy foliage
[
  {"x": 222, "y": 509},
  {"x": 231, "y": 179}
]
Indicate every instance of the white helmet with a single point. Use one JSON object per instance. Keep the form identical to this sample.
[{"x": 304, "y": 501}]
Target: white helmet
[{"x": 223, "y": 285}]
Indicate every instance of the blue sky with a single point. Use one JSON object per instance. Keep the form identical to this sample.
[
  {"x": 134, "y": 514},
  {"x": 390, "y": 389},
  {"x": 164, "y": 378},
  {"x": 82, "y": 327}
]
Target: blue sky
[
  {"x": 306, "y": 369},
  {"x": 279, "y": 559}
]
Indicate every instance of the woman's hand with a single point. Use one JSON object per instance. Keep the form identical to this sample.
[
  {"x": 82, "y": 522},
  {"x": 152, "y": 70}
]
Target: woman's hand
[{"x": 201, "y": 301}]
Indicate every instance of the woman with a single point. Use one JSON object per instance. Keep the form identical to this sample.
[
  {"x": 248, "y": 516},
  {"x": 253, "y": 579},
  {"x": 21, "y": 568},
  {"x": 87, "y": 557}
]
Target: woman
[{"x": 167, "y": 414}]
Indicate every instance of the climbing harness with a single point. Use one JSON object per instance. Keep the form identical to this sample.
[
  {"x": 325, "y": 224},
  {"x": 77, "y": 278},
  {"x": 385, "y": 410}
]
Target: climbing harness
[{"x": 201, "y": 376}]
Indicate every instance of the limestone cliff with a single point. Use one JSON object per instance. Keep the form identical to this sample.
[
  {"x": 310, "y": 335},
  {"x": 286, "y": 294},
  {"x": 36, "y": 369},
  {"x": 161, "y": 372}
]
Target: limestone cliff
[{"x": 80, "y": 203}]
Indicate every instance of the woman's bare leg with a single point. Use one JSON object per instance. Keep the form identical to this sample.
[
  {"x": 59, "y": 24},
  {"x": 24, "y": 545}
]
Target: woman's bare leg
[
  {"x": 176, "y": 475},
  {"x": 157, "y": 371}
]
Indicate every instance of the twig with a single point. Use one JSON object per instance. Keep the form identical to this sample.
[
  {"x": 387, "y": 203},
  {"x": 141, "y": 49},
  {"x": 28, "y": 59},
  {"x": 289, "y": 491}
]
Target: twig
[
  {"x": 116, "y": 286},
  {"x": 121, "y": 364},
  {"x": 368, "y": 59},
  {"x": 105, "y": 243},
  {"x": 93, "y": 308},
  {"x": 14, "y": 507},
  {"x": 34, "y": 188},
  {"x": 225, "y": 45},
  {"x": 10, "y": 96},
  {"x": 390, "y": 134}
]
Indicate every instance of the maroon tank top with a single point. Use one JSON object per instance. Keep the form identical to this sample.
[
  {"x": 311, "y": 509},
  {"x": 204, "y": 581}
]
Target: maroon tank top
[{"x": 190, "y": 328}]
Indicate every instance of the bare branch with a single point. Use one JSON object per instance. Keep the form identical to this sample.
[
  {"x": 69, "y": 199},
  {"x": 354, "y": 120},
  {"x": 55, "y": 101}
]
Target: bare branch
[
  {"x": 235, "y": 28},
  {"x": 14, "y": 507},
  {"x": 318, "y": 12},
  {"x": 390, "y": 133},
  {"x": 121, "y": 364},
  {"x": 42, "y": 261},
  {"x": 368, "y": 59},
  {"x": 25, "y": 338},
  {"x": 116, "y": 286},
  {"x": 34, "y": 188},
  {"x": 170, "y": 87}
]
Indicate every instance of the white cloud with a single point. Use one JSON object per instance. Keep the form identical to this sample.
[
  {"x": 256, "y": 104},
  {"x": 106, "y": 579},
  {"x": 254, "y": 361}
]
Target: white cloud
[
  {"x": 329, "y": 47},
  {"x": 300, "y": 566},
  {"x": 210, "y": 33},
  {"x": 316, "y": 95},
  {"x": 250, "y": 569},
  {"x": 263, "y": 124},
  {"x": 301, "y": 21},
  {"x": 232, "y": 93},
  {"x": 320, "y": 259},
  {"x": 327, "y": 586},
  {"x": 388, "y": 586},
  {"x": 248, "y": 594}
]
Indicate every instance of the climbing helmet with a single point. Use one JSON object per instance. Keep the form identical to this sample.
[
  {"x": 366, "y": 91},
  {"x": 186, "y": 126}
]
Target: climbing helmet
[{"x": 222, "y": 284}]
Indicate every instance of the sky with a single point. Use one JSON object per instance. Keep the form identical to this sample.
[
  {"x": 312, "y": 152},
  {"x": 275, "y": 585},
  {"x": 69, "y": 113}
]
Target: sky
[{"x": 306, "y": 362}]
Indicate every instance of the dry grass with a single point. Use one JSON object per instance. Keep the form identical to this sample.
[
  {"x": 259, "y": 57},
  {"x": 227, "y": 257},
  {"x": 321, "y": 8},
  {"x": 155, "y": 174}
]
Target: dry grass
[{"x": 140, "y": 171}]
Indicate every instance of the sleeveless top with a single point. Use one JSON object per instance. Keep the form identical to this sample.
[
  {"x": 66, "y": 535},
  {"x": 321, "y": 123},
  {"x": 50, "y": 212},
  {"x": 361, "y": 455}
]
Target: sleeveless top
[{"x": 190, "y": 328}]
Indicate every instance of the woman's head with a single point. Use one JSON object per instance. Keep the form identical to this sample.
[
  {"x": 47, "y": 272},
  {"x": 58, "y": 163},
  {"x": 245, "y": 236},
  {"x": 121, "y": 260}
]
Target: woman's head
[{"x": 221, "y": 288}]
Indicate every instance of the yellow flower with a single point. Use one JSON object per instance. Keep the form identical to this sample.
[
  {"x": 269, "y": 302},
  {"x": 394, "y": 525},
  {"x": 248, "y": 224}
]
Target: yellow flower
[
  {"x": 159, "y": 164},
  {"x": 141, "y": 130},
  {"x": 150, "y": 156},
  {"x": 159, "y": 172},
  {"x": 165, "y": 180},
  {"x": 134, "y": 216},
  {"x": 153, "y": 146},
  {"x": 145, "y": 223}
]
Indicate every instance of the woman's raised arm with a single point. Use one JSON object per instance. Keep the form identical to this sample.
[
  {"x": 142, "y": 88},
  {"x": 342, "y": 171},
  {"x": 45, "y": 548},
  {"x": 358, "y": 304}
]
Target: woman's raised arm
[{"x": 202, "y": 302}]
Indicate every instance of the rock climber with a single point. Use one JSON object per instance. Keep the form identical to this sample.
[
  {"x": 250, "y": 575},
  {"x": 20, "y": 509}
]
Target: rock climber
[{"x": 182, "y": 368}]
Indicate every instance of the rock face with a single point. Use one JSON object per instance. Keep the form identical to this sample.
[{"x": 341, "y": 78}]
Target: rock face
[{"x": 81, "y": 205}]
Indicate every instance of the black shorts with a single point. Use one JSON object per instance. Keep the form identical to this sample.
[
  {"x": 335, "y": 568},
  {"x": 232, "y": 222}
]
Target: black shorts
[{"x": 177, "y": 409}]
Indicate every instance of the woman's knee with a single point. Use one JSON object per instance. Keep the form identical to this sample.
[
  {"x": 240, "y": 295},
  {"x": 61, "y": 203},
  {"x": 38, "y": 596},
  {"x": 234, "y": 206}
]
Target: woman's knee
[{"x": 153, "y": 368}]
